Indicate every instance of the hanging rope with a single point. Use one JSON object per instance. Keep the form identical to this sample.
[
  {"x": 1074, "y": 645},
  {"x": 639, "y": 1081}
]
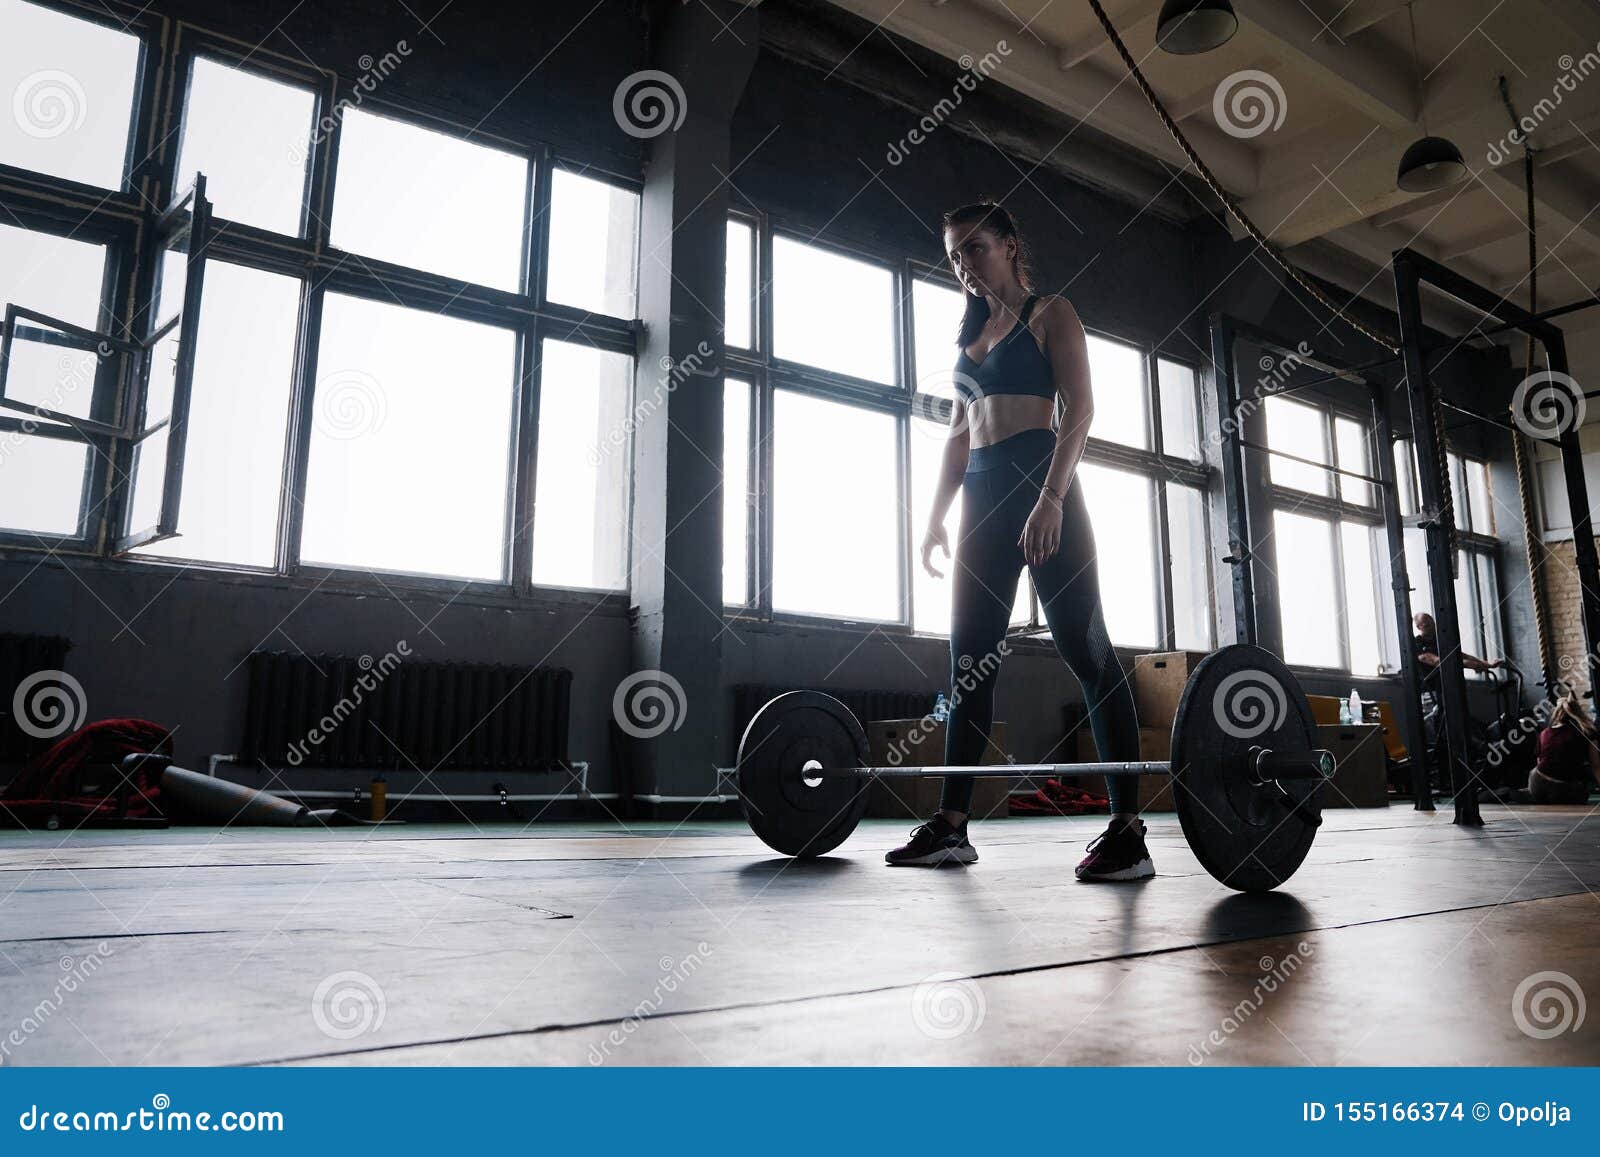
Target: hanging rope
[
  {"x": 1447, "y": 505},
  {"x": 1531, "y": 541}
]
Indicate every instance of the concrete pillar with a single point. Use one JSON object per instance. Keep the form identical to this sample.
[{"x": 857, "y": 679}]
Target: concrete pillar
[{"x": 707, "y": 49}]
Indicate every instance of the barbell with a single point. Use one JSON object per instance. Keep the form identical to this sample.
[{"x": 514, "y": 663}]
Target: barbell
[{"x": 1244, "y": 772}]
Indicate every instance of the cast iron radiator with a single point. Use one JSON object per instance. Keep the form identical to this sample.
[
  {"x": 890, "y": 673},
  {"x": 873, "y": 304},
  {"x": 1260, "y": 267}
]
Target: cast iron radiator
[{"x": 404, "y": 714}]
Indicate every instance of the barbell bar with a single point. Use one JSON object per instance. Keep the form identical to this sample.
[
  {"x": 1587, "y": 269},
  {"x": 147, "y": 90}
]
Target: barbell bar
[{"x": 1245, "y": 774}]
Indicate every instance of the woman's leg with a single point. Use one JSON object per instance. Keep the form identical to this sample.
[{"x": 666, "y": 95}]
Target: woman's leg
[
  {"x": 987, "y": 565},
  {"x": 1068, "y": 585}
]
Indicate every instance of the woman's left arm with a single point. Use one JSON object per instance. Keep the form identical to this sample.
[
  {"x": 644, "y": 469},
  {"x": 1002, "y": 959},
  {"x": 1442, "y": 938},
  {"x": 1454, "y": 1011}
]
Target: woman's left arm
[{"x": 1068, "y": 351}]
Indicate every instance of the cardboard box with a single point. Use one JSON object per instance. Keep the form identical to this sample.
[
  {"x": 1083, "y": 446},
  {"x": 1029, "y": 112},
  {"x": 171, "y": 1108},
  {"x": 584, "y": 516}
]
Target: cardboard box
[
  {"x": 1361, "y": 779},
  {"x": 1155, "y": 791},
  {"x": 914, "y": 742},
  {"x": 1158, "y": 681}
]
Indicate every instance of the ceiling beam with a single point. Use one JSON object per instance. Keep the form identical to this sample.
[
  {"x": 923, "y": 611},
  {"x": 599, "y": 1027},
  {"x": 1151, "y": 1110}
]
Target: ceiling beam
[
  {"x": 1086, "y": 92},
  {"x": 1360, "y": 15},
  {"x": 1365, "y": 79},
  {"x": 1130, "y": 22}
]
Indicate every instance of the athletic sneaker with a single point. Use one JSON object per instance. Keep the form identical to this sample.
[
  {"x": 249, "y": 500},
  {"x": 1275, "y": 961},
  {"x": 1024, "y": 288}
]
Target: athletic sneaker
[
  {"x": 1118, "y": 853},
  {"x": 935, "y": 842}
]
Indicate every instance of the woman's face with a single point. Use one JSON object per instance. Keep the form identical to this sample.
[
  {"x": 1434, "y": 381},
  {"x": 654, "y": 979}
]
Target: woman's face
[{"x": 980, "y": 259}]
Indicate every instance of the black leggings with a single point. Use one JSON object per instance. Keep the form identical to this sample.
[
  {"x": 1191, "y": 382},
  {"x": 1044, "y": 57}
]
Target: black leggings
[{"x": 1001, "y": 486}]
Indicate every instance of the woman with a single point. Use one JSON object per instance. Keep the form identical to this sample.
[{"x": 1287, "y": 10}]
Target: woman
[
  {"x": 1569, "y": 757},
  {"x": 1020, "y": 354}
]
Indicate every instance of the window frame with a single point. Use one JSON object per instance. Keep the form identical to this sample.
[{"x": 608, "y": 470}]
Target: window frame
[{"x": 121, "y": 222}]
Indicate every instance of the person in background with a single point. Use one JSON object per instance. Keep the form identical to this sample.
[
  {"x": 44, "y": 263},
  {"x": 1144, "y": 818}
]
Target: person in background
[
  {"x": 1425, "y": 644},
  {"x": 1569, "y": 756}
]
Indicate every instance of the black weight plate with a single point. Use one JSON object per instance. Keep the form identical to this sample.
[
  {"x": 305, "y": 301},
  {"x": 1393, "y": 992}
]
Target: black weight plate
[
  {"x": 790, "y": 815},
  {"x": 1246, "y": 836}
]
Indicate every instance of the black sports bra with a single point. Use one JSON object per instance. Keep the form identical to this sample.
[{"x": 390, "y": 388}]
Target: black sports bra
[{"x": 1013, "y": 366}]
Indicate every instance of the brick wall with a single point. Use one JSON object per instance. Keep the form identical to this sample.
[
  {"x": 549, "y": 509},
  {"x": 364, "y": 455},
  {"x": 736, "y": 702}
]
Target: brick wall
[{"x": 1565, "y": 613}]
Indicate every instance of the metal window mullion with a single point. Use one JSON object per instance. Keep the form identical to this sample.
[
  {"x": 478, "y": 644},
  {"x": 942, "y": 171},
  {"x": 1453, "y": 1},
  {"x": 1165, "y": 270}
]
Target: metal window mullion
[
  {"x": 291, "y": 520},
  {"x": 530, "y": 376}
]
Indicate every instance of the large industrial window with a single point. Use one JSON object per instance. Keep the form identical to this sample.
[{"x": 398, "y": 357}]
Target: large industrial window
[
  {"x": 69, "y": 87},
  {"x": 411, "y": 196},
  {"x": 594, "y": 244},
  {"x": 860, "y": 373},
  {"x": 1327, "y": 539}
]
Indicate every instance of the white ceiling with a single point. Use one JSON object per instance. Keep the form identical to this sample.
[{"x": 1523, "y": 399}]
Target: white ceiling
[{"x": 1350, "y": 105}]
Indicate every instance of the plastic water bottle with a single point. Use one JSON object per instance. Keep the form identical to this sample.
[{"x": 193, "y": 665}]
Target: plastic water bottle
[
  {"x": 1344, "y": 712},
  {"x": 941, "y": 708},
  {"x": 1356, "y": 715}
]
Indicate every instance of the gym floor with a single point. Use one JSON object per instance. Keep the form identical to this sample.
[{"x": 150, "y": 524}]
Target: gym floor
[{"x": 1402, "y": 940}]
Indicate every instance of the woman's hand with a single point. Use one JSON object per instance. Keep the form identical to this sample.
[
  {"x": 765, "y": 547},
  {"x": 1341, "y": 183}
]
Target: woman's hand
[
  {"x": 1041, "y": 537},
  {"x": 935, "y": 537}
]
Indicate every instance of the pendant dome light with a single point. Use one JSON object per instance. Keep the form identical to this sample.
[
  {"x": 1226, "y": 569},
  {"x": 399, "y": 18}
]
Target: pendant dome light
[
  {"x": 1431, "y": 162},
  {"x": 1188, "y": 27}
]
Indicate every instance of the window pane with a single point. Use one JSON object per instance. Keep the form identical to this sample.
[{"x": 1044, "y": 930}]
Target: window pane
[
  {"x": 1417, "y": 571},
  {"x": 1405, "y": 477},
  {"x": 739, "y": 297},
  {"x": 1180, "y": 428},
  {"x": 1297, "y": 429},
  {"x": 1116, "y": 375},
  {"x": 1478, "y": 497},
  {"x": 409, "y": 442},
  {"x": 1468, "y": 613},
  {"x": 930, "y": 597},
  {"x": 835, "y": 532},
  {"x": 420, "y": 198},
  {"x": 580, "y": 521},
  {"x": 1351, "y": 445},
  {"x": 1489, "y": 590},
  {"x": 832, "y": 311},
  {"x": 735, "y": 491},
  {"x": 1022, "y": 605},
  {"x": 41, "y": 483},
  {"x": 1120, "y": 511},
  {"x": 1308, "y": 600},
  {"x": 251, "y": 137},
  {"x": 1191, "y": 580},
  {"x": 594, "y": 244},
  {"x": 1361, "y": 598},
  {"x": 935, "y": 321},
  {"x": 70, "y": 84},
  {"x": 238, "y": 417},
  {"x": 57, "y": 275}
]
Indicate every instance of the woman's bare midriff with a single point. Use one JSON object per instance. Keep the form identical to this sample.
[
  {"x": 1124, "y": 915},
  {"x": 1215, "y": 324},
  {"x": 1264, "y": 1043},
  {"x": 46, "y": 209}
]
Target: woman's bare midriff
[{"x": 997, "y": 417}]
